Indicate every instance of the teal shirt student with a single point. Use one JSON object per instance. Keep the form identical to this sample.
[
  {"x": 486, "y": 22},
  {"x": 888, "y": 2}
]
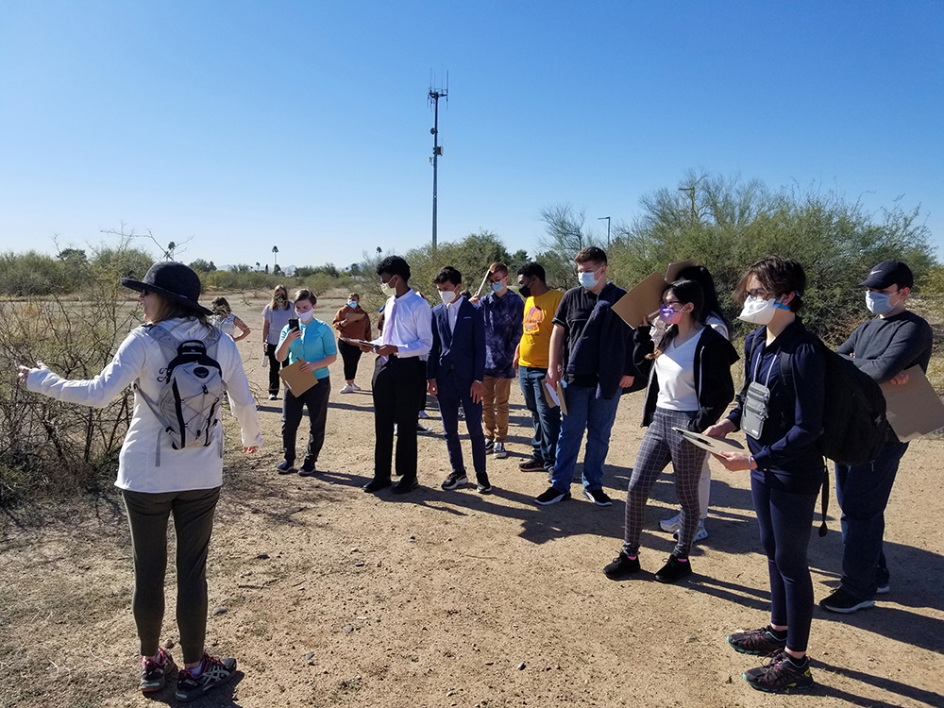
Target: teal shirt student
[{"x": 316, "y": 342}]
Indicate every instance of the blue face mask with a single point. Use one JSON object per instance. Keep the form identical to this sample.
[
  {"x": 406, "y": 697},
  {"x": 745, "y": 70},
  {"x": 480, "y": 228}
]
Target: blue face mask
[
  {"x": 352, "y": 304},
  {"x": 498, "y": 287},
  {"x": 587, "y": 280},
  {"x": 878, "y": 303}
]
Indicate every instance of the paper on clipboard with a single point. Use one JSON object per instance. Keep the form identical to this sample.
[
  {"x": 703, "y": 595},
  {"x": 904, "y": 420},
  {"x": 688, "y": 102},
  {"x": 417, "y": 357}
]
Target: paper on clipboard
[
  {"x": 296, "y": 380},
  {"x": 550, "y": 395},
  {"x": 913, "y": 409},
  {"x": 708, "y": 443},
  {"x": 356, "y": 342},
  {"x": 646, "y": 297}
]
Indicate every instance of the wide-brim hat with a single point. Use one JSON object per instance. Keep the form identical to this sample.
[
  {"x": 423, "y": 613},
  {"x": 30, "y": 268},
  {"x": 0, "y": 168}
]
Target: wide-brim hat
[{"x": 175, "y": 281}]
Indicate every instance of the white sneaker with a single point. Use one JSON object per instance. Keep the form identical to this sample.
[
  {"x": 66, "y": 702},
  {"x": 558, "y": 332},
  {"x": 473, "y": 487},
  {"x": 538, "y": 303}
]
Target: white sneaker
[
  {"x": 499, "y": 452},
  {"x": 671, "y": 525},
  {"x": 700, "y": 534},
  {"x": 273, "y": 397},
  {"x": 355, "y": 387},
  {"x": 348, "y": 388}
]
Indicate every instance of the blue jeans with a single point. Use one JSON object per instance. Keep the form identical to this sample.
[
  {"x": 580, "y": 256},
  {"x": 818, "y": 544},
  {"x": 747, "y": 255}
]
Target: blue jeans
[
  {"x": 595, "y": 415},
  {"x": 862, "y": 492},
  {"x": 546, "y": 420}
]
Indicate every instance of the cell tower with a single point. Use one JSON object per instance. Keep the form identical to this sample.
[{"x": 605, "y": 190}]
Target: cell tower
[{"x": 434, "y": 95}]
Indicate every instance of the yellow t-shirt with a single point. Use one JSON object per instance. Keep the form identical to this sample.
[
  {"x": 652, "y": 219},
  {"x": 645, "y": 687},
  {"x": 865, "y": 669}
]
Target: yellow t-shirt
[{"x": 536, "y": 329}]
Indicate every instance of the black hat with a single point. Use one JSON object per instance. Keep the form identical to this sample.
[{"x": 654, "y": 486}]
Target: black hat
[
  {"x": 888, "y": 273},
  {"x": 175, "y": 281}
]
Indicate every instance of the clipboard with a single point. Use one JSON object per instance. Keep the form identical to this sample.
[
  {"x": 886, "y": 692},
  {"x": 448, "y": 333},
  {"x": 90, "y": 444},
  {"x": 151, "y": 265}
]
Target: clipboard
[
  {"x": 353, "y": 317},
  {"x": 714, "y": 445},
  {"x": 646, "y": 297},
  {"x": 561, "y": 397},
  {"x": 296, "y": 380},
  {"x": 356, "y": 342},
  {"x": 913, "y": 409},
  {"x": 550, "y": 395}
]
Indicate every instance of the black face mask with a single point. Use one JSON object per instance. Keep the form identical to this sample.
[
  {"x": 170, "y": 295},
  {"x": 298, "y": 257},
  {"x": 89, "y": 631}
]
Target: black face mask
[{"x": 525, "y": 291}]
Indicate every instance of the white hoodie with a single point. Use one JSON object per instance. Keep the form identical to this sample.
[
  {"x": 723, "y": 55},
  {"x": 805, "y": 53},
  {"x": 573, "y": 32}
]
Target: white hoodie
[{"x": 147, "y": 462}]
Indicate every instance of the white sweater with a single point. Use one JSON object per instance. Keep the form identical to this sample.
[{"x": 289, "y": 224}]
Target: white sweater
[{"x": 147, "y": 462}]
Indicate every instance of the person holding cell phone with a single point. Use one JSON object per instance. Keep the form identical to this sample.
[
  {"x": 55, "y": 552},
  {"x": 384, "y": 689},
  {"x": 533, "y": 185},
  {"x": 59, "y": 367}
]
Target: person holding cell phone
[
  {"x": 690, "y": 385},
  {"x": 310, "y": 340}
]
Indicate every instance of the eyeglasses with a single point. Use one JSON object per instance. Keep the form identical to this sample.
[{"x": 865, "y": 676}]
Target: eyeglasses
[
  {"x": 762, "y": 293},
  {"x": 671, "y": 303}
]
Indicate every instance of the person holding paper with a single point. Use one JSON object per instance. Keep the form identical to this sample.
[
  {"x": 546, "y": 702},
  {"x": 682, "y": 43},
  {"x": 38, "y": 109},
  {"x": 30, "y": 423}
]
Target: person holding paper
[
  {"x": 454, "y": 373},
  {"x": 690, "y": 385},
  {"x": 591, "y": 354},
  {"x": 783, "y": 424},
  {"x": 312, "y": 342},
  {"x": 352, "y": 323},
  {"x": 532, "y": 361},
  {"x": 883, "y": 348}
]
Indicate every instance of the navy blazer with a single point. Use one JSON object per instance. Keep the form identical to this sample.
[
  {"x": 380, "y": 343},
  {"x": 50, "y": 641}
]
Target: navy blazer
[{"x": 461, "y": 351}]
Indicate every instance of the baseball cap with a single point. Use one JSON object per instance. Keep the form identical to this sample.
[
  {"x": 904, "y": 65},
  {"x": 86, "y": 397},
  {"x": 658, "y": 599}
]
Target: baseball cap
[{"x": 888, "y": 273}]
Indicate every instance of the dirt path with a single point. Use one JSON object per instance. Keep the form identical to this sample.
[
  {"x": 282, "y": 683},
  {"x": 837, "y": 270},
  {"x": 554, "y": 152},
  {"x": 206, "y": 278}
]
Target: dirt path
[{"x": 336, "y": 597}]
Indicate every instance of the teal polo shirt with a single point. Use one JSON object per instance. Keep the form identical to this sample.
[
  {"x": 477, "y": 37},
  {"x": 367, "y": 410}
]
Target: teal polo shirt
[{"x": 316, "y": 342}]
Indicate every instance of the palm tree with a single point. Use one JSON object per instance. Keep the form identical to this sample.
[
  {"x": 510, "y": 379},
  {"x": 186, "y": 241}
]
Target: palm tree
[{"x": 275, "y": 250}]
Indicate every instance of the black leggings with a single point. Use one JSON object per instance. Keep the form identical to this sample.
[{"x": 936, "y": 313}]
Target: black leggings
[
  {"x": 350, "y": 355},
  {"x": 274, "y": 366}
]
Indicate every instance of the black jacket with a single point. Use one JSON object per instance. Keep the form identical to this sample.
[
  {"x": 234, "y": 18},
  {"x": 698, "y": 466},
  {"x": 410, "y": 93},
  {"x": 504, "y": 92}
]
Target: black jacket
[{"x": 714, "y": 356}]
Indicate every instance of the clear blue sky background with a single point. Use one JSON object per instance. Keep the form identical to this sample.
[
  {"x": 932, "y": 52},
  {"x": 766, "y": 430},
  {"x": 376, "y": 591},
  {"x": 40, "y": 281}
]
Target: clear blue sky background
[{"x": 306, "y": 125}]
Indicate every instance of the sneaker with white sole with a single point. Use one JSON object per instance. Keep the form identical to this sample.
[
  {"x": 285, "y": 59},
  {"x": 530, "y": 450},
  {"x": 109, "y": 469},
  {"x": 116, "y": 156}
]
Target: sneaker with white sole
[
  {"x": 483, "y": 486},
  {"x": 489, "y": 446},
  {"x": 500, "y": 453},
  {"x": 598, "y": 497},
  {"x": 215, "y": 672},
  {"x": 552, "y": 496},
  {"x": 348, "y": 388},
  {"x": 701, "y": 532},
  {"x": 781, "y": 674},
  {"x": 273, "y": 397},
  {"x": 844, "y": 602},
  {"x": 671, "y": 525},
  {"x": 154, "y": 673},
  {"x": 358, "y": 388},
  {"x": 455, "y": 480}
]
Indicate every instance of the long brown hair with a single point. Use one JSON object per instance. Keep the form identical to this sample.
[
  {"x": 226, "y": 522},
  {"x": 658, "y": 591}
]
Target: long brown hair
[
  {"x": 169, "y": 309},
  {"x": 274, "y": 305}
]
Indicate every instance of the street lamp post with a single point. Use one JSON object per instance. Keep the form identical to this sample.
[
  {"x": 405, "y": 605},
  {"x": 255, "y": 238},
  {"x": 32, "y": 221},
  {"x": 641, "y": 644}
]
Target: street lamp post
[{"x": 600, "y": 218}]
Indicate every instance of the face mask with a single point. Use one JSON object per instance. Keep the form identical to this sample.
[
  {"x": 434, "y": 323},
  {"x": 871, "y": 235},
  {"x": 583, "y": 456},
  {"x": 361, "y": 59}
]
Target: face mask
[
  {"x": 587, "y": 280},
  {"x": 387, "y": 287},
  {"x": 670, "y": 316},
  {"x": 524, "y": 291},
  {"x": 879, "y": 303},
  {"x": 498, "y": 287},
  {"x": 447, "y": 296},
  {"x": 352, "y": 304},
  {"x": 305, "y": 317},
  {"x": 759, "y": 311},
  {"x": 280, "y": 299},
  {"x": 222, "y": 311}
]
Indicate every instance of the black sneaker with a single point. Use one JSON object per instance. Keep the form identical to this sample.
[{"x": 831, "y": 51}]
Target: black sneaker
[
  {"x": 455, "y": 480},
  {"x": 483, "y": 486},
  {"x": 532, "y": 464},
  {"x": 552, "y": 496},
  {"x": 376, "y": 484},
  {"x": 153, "y": 674},
  {"x": 489, "y": 447},
  {"x": 844, "y": 602},
  {"x": 597, "y": 496},
  {"x": 756, "y": 641},
  {"x": 285, "y": 467},
  {"x": 621, "y": 565},
  {"x": 780, "y": 675},
  {"x": 405, "y": 485},
  {"x": 674, "y": 569},
  {"x": 215, "y": 673},
  {"x": 307, "y": 470}
]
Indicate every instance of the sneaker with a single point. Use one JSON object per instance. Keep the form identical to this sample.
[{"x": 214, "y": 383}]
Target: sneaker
[
  {"x": 552, "y": 496},
  {"x": 455, "y": 480},
  {"x": 675, "y": 568},
  {"x": 489, "y": 446},
  {"x": 376, "y": 484},
  {"x": 420, "y": 428},
  {"x": 273, "y": 397},
  {"x": 780, "y": 675},
  {"x": 483, "y": 486},
  {"x": 307, "y": 470},
  {"x": 671, "y": 525},
  {"x": 844, "y": 602},
  {"x": 598, "y": 497},
  {"x": 621, "y": 565},
  {"x": 756, "y": 641},
  {"x": 285, "y": 467},
  {"x": 153, "y": 674},
  {"x": 500, "y": 452},
  {"x": 701, "y": 533},
  {"x": 405, "y": 485},
  {"x": 532, "y": 464},
  {"x": 215, "y": 673},
  {"x": 358, "y": 388},
  {"x": 348, "y": 388},
  {"x": 422, "y": 414}
]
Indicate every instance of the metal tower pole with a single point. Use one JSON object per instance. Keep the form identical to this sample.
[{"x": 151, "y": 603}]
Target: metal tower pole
[{"x": 435, "y": 96}]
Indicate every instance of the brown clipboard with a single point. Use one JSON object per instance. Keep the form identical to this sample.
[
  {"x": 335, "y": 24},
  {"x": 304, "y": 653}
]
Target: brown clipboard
[
  {"x": 913, "y": 409},
  {"x": 646, "y": 297},
  {"x": 296, "y": 380},
  {"x": 353, "y": 317}
]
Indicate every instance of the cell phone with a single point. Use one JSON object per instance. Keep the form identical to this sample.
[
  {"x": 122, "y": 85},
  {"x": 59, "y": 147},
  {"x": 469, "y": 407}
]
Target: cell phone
[{"x": 293, "y": 323}]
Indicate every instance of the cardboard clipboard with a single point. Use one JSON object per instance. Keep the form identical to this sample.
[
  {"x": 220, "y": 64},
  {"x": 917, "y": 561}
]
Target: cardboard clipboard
[
  {"x": 296, "y": 380},
  {"x": 561, "y": 397},
  {"x": 353, "y": 317},
  {"x": 646, "y": 297},
  {"x": 913, "y": 409},
  {"x": 710, "y": 444}
]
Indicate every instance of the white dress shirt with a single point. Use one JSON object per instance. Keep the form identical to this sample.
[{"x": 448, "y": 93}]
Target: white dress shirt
[
  {"x": 452, "y": 312},
  {"x": 408, "y": 325}
]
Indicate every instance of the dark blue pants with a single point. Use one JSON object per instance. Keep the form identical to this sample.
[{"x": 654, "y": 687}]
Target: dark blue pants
[
  {"x": 546, "y": 420},
  {"x": 786, "y": 520},
  {"x": 316, "y": 398},
  {"x": 454, "y": 390},
  {"x": 862, "y": 492}
]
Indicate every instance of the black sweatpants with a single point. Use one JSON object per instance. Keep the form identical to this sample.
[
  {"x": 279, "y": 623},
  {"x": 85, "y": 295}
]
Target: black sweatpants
[{"x": 316, "y": 398}]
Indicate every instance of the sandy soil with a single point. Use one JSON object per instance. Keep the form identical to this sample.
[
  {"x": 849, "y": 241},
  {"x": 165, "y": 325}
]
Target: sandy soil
[{"x": 329, "y": 596}]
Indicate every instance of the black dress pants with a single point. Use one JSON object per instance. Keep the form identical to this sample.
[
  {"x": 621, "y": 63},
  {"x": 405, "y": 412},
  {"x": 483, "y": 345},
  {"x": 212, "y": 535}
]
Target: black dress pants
[{"x": 396, "y": 402}]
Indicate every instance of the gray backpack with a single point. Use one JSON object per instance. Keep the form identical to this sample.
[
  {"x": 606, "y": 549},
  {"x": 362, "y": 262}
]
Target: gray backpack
[{"x": 189, "y": 401}]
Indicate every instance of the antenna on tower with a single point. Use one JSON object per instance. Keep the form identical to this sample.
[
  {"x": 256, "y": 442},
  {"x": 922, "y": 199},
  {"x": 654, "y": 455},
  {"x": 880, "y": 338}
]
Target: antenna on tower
[{"x": 433, "y": 97}]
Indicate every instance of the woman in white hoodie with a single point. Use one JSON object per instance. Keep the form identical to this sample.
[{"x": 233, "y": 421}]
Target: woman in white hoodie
[{"x": 158, "y": 480}]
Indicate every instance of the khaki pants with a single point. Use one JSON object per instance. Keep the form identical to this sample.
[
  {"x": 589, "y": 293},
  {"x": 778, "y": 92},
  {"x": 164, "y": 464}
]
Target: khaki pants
[{"x": 495, "y": 408}]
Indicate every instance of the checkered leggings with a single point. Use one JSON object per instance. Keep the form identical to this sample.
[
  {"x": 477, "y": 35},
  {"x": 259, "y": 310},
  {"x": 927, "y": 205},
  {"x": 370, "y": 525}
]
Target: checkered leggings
[{"x": 661, "y": 445}]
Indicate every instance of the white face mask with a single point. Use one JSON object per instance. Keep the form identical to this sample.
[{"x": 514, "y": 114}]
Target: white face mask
[
  {"x": 305, "y": 317},
  {"x": 758, "y": 311},
  {"x": 447, "y": 296}
]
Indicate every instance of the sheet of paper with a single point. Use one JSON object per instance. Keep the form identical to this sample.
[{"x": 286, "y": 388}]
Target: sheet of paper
[
  {"x": 709, "y": 444},
  {"x": 642, "y": 300},
  {"x": 550, "y": 395},
  {"x": 913, "y": 409},
  {"x": 296, "y": 380},
  {"x": 672, "y": 272}
]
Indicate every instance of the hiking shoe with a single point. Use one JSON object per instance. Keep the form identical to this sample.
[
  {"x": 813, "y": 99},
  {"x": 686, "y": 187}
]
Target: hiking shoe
[
  {"x": 348, "y": 388},
  {"x": 844, "y": 602},
  {"x": 757, "y": 641},
  {"x": 700, "y": 534},
  {"x": 376, "y": 484},
  {"x": 781, "y": 674},
  {"x": 405, "y": 485},
  {"x": 483, "y": 486},
  {"x": 215, "y": 673},
  {"x": 307, "y": 470},
  {"x": 620, "y": 566},
  {"x": 671, "y": 525},
  {"x": 489, "y": 446},
  {"x": 500, "y": 452},
  {"x": 552, "y": 496},
  {"x": 532, "y": 464},
  {"x": 153, "y": 674},
  {"x": 285, "y": 467},
  {"x": 598, "y": 497},
  {"x": 675, "y": 568},
  {"x": 455, "y": 480}
]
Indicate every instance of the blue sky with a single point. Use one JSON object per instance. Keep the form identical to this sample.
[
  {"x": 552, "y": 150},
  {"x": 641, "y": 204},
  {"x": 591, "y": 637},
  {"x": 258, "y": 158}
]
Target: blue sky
[{"x": 243, "y": 125}]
